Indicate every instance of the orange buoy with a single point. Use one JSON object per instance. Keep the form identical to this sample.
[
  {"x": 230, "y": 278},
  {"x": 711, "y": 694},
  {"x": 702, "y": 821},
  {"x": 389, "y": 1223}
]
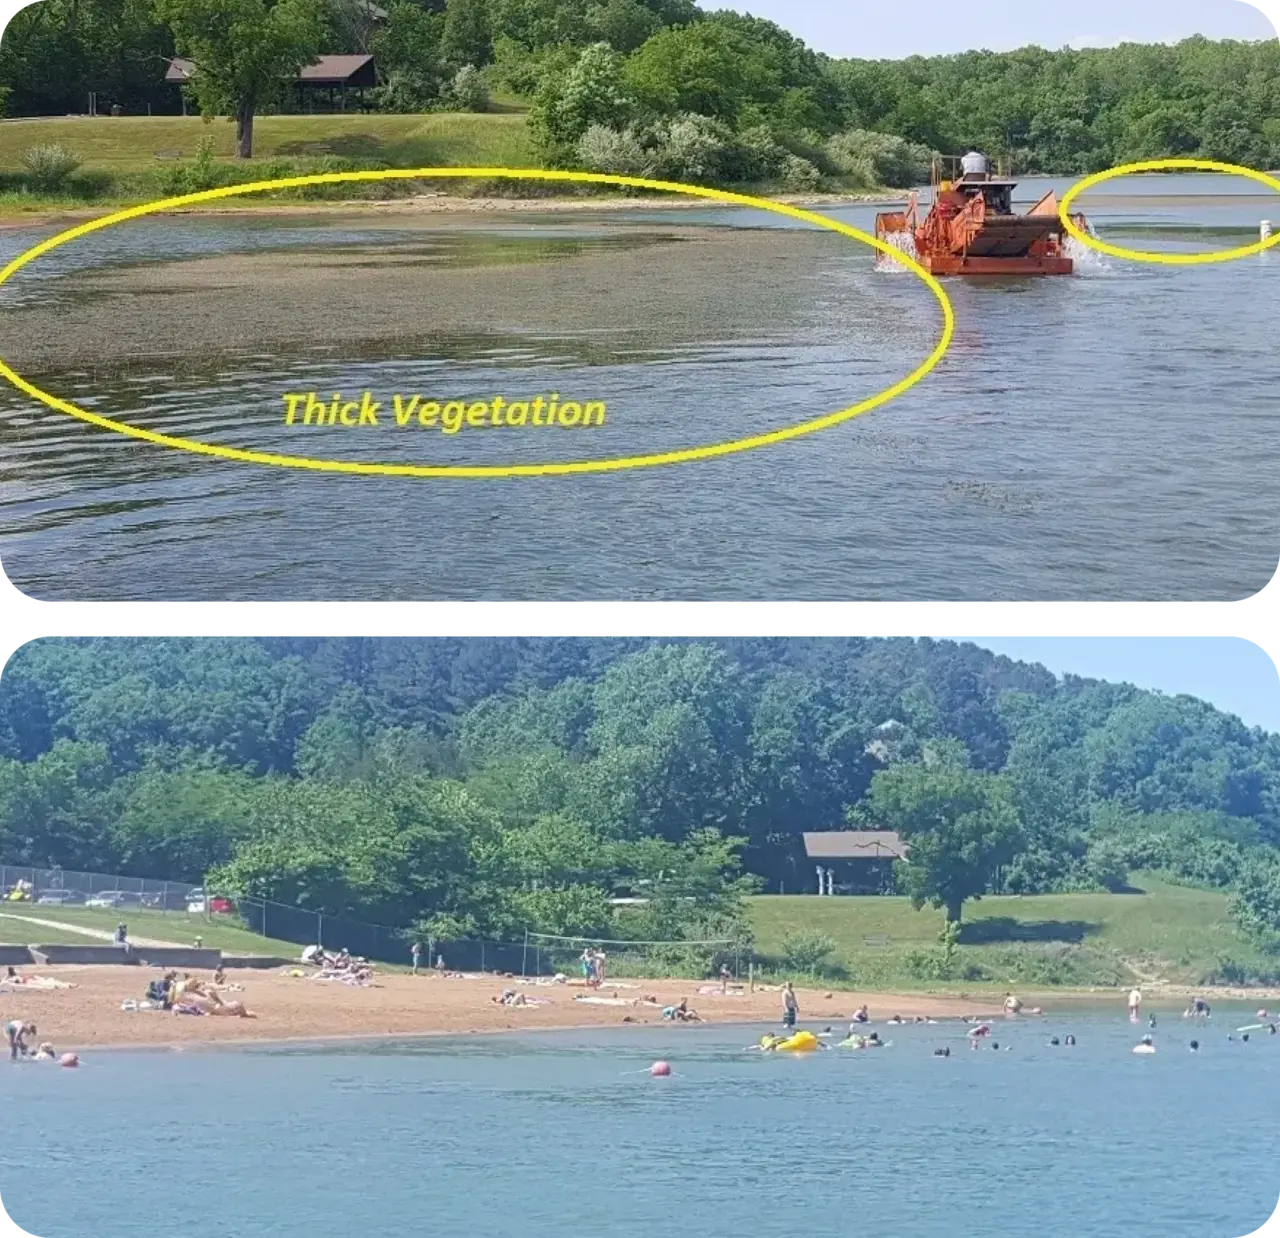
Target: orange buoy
[{"x": 660, "y": 1070}]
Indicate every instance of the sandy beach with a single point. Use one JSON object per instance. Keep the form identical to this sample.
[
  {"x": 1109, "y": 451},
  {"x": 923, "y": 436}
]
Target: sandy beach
[{"x": 397, "y": 1004}]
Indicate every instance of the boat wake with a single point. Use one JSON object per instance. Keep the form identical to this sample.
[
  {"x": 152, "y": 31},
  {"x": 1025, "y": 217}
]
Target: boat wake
[{"x": 903, "y": 241}]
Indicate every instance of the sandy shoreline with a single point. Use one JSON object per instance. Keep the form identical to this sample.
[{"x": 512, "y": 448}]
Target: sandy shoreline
[
  {"x": 447, "y": 204},
  {"x": 298, "y": 1009}
]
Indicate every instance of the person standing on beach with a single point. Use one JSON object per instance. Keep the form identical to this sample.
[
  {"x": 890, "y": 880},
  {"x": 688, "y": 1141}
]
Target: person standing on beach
[
  {"x": 790, "y": 1006},
  {"x": 415, "y": 954},
  {"x": 1135, "y": 1004},
  {"x": 16, "y": 1033}
]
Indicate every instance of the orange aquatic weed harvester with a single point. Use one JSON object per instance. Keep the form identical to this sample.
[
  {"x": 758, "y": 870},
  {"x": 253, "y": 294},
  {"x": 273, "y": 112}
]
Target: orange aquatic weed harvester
[{"x": 971, "y": 228}]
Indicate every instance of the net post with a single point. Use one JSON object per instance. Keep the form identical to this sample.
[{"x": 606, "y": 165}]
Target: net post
[{"x": 524, "y": 957}]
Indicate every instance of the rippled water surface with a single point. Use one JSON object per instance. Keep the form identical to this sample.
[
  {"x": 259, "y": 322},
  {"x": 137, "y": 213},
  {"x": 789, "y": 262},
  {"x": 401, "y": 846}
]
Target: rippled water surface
[
  {"x": 1109, "y": 435},
  {"x": 545, "y": 1135}
]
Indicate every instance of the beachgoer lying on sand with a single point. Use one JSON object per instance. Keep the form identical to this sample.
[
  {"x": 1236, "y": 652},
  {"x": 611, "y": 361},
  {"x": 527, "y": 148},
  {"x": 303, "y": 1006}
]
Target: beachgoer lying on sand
[
  {"x": 234, "y": 1009},
  {"x": 510, "y": 997}
]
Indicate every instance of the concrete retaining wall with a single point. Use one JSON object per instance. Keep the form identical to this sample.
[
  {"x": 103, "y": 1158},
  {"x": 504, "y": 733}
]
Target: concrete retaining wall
[
  {"x": 15, "y": 956},
  {"x": 144, "y": 956},
  {"x": 81, "y": 954}
]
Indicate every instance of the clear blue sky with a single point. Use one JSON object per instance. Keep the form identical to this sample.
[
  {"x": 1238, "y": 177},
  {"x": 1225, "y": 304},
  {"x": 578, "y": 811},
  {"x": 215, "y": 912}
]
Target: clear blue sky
[
  {"x": 1235, "y": 675},
  {"x": 884, "y": 30}
]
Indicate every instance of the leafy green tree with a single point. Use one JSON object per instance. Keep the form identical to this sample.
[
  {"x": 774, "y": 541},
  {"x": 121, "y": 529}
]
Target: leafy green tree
[
  {"x": 178, "y": 824},
  {"x": 244, "y": 52},
  {"x": 407, "y": 49},
  {"x": 707, "y": 69},
  {"x": 57, "y": 809},
  {"x": 623, "y": 24},
  {"x": 590, "y": 93},
  {"x": 1256, "y": 902},
  {"x": 959, "y": 824},
  {"x": 467, "y": 38}
]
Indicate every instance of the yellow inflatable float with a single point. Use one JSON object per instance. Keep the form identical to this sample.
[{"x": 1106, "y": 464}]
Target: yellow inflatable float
[{"x": 799, "y": 1042}]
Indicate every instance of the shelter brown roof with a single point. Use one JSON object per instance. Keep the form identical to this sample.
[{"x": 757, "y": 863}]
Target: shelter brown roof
[
  {"x": 326, "y": 70},
  {"x": 855, "y": 845}
]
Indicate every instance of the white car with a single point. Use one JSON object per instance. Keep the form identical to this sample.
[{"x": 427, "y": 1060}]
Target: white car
[{"x": 107, "y": 898}]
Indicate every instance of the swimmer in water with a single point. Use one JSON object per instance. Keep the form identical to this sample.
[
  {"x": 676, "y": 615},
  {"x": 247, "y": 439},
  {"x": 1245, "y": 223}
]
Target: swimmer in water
[
  {"x": 1070, "y": 1039},
  {"x": 1195, "y": 1046},
  {"x": 1151, "y": 1022},
  {"x": 17, "y": 1031},
  {"x": 1053, "y": 1040},
  {"x": 944, "y": 1052}
]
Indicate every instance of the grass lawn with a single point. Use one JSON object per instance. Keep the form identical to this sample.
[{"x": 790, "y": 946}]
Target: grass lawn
[
  {"x": 175, "y": 927},
  {"x": 133, "y": 144},
  {"x": 1163, "y": 932}
]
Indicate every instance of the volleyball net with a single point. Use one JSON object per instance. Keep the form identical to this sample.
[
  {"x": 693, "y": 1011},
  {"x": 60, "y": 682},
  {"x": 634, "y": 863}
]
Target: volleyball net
[{"x": 548, "y": 954}]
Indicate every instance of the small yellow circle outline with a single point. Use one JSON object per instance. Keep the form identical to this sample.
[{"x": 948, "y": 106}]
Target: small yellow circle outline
[
  {"x": 1146, "y": 255},
  {"x": 507, "y": 470}
]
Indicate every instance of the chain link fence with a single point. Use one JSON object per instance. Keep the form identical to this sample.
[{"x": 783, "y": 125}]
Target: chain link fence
[
  {"x": 55, "y": 886},
  {"x": 49, "y": 889}
]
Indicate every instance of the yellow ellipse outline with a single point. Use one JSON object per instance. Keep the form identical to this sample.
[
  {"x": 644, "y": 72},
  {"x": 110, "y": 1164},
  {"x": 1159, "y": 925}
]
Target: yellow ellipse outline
[
  {"x": 612, "y": 464},
  {"x": 1146, "y": 255}
]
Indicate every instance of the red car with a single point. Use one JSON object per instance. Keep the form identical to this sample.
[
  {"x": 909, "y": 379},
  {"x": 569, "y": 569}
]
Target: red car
[{"x": 222, "y": 907}]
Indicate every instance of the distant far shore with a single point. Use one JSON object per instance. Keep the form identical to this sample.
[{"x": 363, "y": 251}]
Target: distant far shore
[
  {"x": 432, "y": 204},
  {"x": 296, "y": 1007}
]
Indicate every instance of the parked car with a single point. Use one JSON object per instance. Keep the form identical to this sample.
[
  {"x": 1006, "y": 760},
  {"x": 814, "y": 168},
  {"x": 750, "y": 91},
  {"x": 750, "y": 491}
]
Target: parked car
[
  {"x": 60, "y": 898},
  {"x": 222, "y": 907},
  {"x": 169, "y": 900},
  {"x": 107, "y": 898}
]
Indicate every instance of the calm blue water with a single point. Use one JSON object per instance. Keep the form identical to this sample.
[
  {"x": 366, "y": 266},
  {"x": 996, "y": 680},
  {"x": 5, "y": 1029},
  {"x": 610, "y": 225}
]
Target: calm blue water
[{"x": 553, "y": 1134}]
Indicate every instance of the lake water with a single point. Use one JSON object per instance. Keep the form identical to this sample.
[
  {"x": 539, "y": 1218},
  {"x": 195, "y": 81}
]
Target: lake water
[
  {"x": 1111, "y": 435},
  {"x": 541, "y": 1135}
]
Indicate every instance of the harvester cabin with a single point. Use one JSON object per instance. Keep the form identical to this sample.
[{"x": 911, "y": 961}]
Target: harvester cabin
[{"x": 854, "y": 861}]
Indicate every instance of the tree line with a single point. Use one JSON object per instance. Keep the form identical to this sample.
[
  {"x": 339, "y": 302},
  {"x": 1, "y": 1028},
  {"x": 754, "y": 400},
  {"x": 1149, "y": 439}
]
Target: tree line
[
  {"x": 665, "y": 87},
  {"x": 490, "y": 786}
]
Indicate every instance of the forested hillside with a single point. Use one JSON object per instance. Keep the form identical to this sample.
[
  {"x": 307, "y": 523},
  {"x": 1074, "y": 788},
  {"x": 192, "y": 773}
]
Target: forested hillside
[
  {"x": 660, "y": 87},
  {"x": 495, "y": 785}
]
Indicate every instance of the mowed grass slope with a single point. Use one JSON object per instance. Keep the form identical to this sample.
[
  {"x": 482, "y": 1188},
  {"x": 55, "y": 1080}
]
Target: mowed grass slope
[
  {"x": 16, "y": 928},
  {"x": 141, "y": 143},
  {"x": 1160, "y": 933}
]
